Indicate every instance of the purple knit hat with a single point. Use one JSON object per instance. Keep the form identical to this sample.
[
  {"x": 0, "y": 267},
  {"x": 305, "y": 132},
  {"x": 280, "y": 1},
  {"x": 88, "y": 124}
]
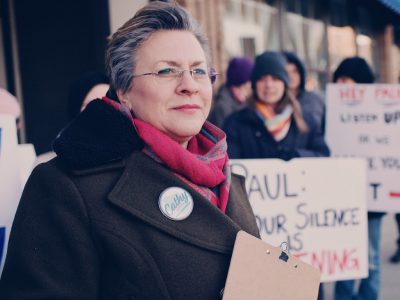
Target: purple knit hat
[{"x": 239, "y": 71}]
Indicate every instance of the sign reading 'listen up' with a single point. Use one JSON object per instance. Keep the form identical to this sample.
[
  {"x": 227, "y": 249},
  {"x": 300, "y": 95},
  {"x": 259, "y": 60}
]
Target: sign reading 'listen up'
[{"x": 363, "y": 120}]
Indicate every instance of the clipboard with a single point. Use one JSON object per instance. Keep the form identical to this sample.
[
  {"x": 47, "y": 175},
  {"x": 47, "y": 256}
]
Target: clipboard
[{"x": 259, "y": 271}]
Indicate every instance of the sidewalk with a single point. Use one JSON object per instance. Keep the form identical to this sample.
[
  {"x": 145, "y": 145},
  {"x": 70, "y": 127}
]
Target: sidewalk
[{"x": 390, "y": 284}]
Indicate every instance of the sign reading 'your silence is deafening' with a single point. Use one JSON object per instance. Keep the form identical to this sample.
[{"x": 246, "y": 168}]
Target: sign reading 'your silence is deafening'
[{"x": 317, "y": 206}]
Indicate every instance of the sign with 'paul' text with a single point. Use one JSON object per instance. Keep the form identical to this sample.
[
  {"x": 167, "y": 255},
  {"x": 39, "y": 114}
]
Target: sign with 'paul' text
[
  {"x": 363, "y": 120},
  {"x": 317, "y": 206}
]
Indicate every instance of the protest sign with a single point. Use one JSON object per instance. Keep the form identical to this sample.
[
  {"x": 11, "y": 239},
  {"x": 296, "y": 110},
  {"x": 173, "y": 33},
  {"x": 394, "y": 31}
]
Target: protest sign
[
  {"x": 317, "y": 206},
  {"x": 26, "y": 161},
  {"x": 363, "y": 120},
  {"x": 16, "y": 162},
  {"x": 10, "y": 183}
]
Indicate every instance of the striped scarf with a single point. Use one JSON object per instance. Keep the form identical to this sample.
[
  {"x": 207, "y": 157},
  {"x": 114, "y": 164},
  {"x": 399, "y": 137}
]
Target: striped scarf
[
  {"x": 203, "y": 165},
  {"x": 277, "y": 125}
]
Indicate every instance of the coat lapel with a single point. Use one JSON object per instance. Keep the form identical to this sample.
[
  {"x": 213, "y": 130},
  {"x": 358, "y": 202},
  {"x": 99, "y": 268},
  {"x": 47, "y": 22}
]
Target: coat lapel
[
  {"x": 138, "y": 191},
  {"x": 238, "y": 210}
]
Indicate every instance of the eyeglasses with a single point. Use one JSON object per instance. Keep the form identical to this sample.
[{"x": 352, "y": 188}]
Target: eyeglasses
[{"x": 172, "y": 73}]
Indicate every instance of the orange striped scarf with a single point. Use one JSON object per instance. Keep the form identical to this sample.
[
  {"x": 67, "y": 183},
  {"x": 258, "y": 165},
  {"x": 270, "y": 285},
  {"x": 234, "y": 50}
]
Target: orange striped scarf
[{"x": 277, "y": 125}]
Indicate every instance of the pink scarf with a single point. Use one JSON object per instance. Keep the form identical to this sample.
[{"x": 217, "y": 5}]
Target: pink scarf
[{"x": 203, "y": 165}]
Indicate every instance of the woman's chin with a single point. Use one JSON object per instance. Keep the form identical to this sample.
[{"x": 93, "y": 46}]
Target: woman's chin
[{"x": 184, "y": 132}]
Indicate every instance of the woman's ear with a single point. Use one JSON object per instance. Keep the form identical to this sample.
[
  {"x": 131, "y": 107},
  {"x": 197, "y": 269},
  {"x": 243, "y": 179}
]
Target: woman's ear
[{"x": 124, "y": 99}]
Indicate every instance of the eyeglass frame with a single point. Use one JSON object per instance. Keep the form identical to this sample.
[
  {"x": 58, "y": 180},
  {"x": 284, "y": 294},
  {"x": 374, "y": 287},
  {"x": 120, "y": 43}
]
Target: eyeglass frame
[{"x": 212, "y": 74}]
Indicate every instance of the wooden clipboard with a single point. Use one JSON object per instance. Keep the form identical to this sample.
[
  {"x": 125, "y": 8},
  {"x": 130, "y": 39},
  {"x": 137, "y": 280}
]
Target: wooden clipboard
[{"x": 259, "y": 271}]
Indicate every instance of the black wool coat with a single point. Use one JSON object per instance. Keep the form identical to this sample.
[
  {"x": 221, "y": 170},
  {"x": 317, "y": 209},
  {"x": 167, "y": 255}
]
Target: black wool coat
[
  {"x": 88, "y": 225},
  {"x": 248, "y": 138}
]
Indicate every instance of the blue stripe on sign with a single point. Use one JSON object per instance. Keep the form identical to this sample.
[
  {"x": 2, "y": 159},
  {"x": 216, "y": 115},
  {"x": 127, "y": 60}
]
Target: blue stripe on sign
[
  {"x": 2, "y": 241},
  {"x": 393, "y": 4}
]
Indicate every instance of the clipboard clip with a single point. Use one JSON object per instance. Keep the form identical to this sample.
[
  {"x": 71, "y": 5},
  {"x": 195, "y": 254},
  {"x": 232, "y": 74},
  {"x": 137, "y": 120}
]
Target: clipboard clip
[{"x": 284, "y": 247}]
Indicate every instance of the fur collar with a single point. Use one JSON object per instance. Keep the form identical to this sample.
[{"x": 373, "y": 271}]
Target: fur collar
[{"x": 98, "y": 135}]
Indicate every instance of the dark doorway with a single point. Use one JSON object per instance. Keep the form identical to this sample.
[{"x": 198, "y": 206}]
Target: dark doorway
[{"x": 57, "y": 41}]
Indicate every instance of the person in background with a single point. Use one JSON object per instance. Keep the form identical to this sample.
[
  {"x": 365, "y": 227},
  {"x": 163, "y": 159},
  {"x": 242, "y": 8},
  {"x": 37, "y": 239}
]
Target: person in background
[
  {"x": 396, "y": 256},
  {"x": 140, "y": 202},
  {"x": 310, "y": 102},
  {"x": 233, "y": 94},
  {"x": 354, "y": 70},
  {"x": 272, "y": 124},
  {"x": 9, "y": 104},
  {"x": 86, "y": 88}
]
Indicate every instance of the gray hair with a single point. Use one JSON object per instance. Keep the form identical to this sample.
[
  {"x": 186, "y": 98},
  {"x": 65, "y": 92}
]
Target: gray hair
[{"x": 124, "y": 43}]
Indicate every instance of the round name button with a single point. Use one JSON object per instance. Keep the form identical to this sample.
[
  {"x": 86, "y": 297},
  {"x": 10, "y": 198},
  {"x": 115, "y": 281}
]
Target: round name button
[{"x": 175, "y": 203}]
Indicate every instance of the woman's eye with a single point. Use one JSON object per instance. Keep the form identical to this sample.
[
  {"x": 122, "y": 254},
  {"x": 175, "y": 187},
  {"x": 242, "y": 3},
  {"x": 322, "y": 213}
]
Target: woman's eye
[
  {"x": 199, "y": 71},
  {"x": 167, "y": 71}
]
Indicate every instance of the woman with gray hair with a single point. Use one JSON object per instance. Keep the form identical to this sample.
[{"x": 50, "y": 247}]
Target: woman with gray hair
[{"x": 139, "y": 202}]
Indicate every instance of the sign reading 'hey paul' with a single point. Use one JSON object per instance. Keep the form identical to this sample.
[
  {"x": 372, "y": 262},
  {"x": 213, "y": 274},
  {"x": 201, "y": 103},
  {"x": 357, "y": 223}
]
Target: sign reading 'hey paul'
[
  {"x": 363, "y": 120},
  {"x": 317, "y": 206}
]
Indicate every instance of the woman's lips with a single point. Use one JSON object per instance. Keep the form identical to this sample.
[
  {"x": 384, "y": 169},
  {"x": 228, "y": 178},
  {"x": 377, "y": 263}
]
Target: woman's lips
[{"x": 187, "y": 108}]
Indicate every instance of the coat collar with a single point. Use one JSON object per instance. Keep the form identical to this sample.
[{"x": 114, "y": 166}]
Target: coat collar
[
  {"x": 98, "y": 135},
  {"x": 133, "y": 194}
]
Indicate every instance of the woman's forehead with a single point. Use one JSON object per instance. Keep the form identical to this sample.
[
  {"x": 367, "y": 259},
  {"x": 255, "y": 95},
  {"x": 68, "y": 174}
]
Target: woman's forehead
[
  {"x": 175, "y": 47},
  {"x": 179, "y": 63}
]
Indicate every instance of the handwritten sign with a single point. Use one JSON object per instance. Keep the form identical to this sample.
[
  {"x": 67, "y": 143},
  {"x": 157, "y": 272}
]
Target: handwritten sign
[
  {"x": 2, "y": 242},
  {"x": 364, "y": 121},
  {"x": 10, "y": 184},
  {"x": 317, "y": 206},
  {"x": 26, "y": 156},
  {"x": 16, "y": 163}
]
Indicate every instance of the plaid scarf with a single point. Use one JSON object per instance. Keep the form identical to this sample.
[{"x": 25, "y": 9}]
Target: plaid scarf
[
  {"x": 203, "y": 165},
  {"x": 277, "y": 125}
]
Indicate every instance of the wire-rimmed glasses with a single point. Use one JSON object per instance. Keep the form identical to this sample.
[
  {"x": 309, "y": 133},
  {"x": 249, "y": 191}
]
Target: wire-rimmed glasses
[{"x": 200, "y": 75}]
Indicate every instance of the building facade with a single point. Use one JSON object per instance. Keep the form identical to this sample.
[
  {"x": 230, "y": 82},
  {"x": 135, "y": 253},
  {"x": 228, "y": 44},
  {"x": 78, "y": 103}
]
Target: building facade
[
  {"x": 322, "y": 33},
  {"x": 44, "y": 48}
]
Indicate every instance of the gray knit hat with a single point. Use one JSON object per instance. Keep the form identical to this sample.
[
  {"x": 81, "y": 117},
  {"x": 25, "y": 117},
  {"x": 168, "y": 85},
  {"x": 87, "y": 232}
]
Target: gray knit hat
[{"x": 270, "y": 63}]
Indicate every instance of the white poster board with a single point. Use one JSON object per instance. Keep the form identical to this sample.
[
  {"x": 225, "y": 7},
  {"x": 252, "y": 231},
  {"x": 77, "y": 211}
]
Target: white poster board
[
  {"x": 16, "y": 162},
  {"x": 363, "y": 120},
  {"x": 317, "y": 206},
  {"x": 10, "y": 183}
]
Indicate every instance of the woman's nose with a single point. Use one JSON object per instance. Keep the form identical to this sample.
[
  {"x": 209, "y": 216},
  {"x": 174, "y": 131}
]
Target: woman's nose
[{"x": 187, "y": 84}]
